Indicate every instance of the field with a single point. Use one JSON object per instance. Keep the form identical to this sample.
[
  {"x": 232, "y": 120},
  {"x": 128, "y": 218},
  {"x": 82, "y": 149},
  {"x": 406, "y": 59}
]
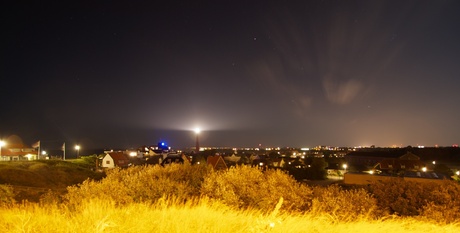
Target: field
[{"x": 197, "y": 199}]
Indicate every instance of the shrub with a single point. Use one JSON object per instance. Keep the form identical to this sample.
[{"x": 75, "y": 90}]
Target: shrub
[
  {"x": 444, "y": 203},
  {"x": 408, "y": 198},
  {"x": 247, "y": 187},
  {"x": 6, "y": 195},
  {"x": 142, "y": 184},
  {"x": 344, "y": 205}
]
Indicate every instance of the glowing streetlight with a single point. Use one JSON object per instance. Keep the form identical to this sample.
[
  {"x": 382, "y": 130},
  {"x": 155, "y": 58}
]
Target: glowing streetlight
[
  {"x": 345, "y": 167},
  {"x": 77, "y": 147},
  {"x": 423, "y": 169}
]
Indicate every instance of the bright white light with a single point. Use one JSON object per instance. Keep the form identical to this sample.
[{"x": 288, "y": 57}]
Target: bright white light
[
  {"x": 2, "y": 143},
  {"x": 197, "y": 130},
  {"x": 344, "y": 166},
  {"x": 423, "y": 169},
  {"x": 132, "y": 154},
  {"x": 43, "y": 152},
  {"x": 77, "y": 147}
]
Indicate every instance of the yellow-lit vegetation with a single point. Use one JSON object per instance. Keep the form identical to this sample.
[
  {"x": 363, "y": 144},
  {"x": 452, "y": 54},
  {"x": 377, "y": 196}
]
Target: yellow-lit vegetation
[{"x": 184, "y": 198}]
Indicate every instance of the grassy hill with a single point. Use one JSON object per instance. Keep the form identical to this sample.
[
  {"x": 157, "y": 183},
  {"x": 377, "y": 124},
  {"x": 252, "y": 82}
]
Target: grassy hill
[{"x": 31, "y": 179}]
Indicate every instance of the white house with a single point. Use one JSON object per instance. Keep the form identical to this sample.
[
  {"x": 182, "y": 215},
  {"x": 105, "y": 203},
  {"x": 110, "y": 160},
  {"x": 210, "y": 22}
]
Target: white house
[{"x": 115, "y": 159}]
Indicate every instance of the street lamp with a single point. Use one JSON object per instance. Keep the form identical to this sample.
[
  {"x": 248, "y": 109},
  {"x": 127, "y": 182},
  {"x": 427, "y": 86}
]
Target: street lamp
[
  {"x": 77, "y": 147},
  {"x": 345, "y": 167},
  {"x": 2, "y": 143},
  {"x": 197, "y": 142}
]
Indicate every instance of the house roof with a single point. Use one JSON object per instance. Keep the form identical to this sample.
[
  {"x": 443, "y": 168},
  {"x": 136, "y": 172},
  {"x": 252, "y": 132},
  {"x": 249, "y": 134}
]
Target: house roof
[
  {"x": 119, "y": 158},
  {"x": 400, "y": 163},
  {"x": 17, "y": 151},
  {"x": 217, "y": 162},
  {"x": 118, "y": 155},
  {"x": 232, "y": 158}
]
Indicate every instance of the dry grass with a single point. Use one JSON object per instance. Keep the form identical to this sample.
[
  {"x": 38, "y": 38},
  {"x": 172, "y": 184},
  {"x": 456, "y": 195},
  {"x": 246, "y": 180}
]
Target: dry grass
[{"x": 202, "y": 215}]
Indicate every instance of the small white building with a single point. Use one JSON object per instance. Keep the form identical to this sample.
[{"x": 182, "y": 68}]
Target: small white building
[{"x": 115, "y": 159}]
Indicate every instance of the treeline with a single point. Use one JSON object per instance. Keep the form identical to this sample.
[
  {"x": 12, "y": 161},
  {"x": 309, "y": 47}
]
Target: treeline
[{"x": 244, "y": 187}]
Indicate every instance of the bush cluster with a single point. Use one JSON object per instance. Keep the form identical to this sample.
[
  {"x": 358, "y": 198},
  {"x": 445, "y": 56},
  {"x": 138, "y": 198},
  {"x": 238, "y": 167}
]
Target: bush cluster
[
  {"x": 142, "y": 184},
  {"x": 440, "y": 202},
  {"x": 246, "y": 187},
  {"x": 6, "y": 195},
  {"x": 344, "y": 205}
]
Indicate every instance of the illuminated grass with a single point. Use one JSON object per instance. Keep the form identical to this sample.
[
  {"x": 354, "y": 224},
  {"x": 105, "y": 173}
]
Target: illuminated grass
[{"x": 194, "y": 216}]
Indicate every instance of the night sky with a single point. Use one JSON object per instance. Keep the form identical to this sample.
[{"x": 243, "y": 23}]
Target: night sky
[{"x": 120, "y": 74}]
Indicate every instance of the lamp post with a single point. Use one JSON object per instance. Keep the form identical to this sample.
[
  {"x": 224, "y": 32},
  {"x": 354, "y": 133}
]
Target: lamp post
[
  {"x": 197, "y": 143},
  {"x": 77, "y": 148},
  {"x": 2, "y": 143},
  {"x": 345, "y": 167}
]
